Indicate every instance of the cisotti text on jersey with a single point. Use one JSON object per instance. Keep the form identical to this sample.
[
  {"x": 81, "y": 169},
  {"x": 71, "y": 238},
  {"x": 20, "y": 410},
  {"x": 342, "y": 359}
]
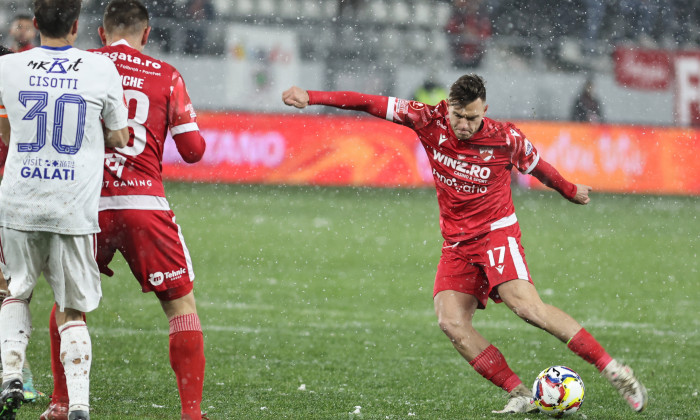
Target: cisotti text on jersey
[{"x": 54, "y": 82}]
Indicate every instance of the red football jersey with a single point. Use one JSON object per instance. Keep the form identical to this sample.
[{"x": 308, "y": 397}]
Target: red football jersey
[
  {"x": 472, "y": 176},
  {"x": 157, "y": 99}
]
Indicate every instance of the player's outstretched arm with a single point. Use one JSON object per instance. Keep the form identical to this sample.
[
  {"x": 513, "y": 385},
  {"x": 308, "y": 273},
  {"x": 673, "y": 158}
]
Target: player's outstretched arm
[
  {"x": 372, "y": 104},
  {"x": 549, "y": 176},
  {"x": 296, "y": 97}
]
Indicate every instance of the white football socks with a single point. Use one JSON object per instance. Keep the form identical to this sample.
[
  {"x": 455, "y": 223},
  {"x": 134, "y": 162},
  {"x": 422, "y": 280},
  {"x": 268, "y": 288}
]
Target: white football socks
[
  {"x": 76, "y": 357},
  {"x": 15, "y": 330}
]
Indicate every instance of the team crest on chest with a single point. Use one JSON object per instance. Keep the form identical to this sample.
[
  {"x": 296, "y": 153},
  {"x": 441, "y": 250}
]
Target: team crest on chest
[{"x": 486, "y": 153}]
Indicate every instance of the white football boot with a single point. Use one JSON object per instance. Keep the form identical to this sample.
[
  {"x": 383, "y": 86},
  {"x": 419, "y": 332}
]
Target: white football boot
[
  {"x": 623, "y": 379},
  {"x": 520, "y": 401}
]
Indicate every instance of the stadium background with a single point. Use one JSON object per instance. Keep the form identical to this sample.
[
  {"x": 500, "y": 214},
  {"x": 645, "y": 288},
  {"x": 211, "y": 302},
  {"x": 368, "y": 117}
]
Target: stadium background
[
  {"x": 239, "y": 57},
  {"x": 315, "y": 291}
]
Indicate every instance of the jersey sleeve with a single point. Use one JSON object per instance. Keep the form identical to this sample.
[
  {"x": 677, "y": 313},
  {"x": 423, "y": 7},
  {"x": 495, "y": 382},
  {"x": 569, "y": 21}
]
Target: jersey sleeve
[
  {"x": 372, "y": 104},
  {"x": 182, "y": 121},
  {"x": 181, "y": 115},
  {"x": 401, "y": 111},
  {"x": 114, "y": 112},
  {"x": 412, "y": 114},
  {"x": 523, "y": 156},
  {"x": 190, "y": 145},
  {"x": 550, "y": 177}
]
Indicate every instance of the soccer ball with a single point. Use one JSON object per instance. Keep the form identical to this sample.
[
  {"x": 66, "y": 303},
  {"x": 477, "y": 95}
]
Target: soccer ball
[{"x": 558, "y": 391}]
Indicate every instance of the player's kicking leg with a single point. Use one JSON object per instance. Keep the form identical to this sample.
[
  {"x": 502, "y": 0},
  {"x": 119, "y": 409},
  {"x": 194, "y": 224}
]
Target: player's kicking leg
[
  {"x": 622, "y": 378},
  {"x": 455, "y": 312},
  {"x": 522, "y": 298}
]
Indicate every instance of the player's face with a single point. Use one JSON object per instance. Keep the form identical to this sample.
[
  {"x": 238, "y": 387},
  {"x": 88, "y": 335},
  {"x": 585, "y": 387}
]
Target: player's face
[
  {"x": 466, "y": 120},
  {"x": 22, "y": 30}
]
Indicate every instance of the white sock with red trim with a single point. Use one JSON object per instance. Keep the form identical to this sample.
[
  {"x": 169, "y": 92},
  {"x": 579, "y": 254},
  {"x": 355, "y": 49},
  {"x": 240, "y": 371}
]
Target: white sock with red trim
[
  {"x": 15, "y": 330},
  {"x": 76, "y": 357}
]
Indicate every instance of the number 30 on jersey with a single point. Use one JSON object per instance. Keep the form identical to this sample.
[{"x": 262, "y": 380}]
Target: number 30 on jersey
[{"x": 38, "y": 113}]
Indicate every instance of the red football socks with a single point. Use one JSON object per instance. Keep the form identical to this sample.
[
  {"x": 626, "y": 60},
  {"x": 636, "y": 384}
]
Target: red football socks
[
  {"x": 589, "y": 349},
  {"x": 187, "y": 361},
  {"x": 60, "y": 391},
  {"x": 491, "y": 364}
]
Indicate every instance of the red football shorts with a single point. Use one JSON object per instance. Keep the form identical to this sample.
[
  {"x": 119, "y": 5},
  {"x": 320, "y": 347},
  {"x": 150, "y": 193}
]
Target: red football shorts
[
  {"x": 152, "y": 244},
  {"x": 478, "y": 266}
]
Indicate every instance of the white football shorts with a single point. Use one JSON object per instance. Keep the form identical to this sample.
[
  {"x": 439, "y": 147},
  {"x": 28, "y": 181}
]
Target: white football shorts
[{"x": 67, "y": 261}]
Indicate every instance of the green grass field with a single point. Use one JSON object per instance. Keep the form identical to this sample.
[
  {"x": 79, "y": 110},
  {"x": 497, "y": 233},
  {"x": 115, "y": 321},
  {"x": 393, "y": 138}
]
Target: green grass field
[{"x": 318, "y": 300}]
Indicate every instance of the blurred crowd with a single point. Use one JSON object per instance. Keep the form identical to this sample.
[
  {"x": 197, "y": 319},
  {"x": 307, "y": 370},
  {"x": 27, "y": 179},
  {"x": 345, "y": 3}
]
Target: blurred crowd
[
  {"x": 596, "y": 25},
  {"x": 652, "y": 23},
  {"x": 566, "y": 27}
]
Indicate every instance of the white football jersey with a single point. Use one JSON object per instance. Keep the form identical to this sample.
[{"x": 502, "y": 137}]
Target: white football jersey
[{"x": 54, "y": 99}]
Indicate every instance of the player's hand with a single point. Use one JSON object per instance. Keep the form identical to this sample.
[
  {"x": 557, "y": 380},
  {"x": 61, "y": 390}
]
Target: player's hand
[
  {"x": 295, "y": 96},
  {"x": 106, "y": 271},
  {"x": 581, "y": 196}
]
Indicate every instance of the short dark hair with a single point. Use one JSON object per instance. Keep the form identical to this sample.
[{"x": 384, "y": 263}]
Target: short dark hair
[
  {"x": 467, "y": 89},
  {"x": 21, "y": 16},
  {"x": 55, "y": 17},
  {"x": 125, "y": 16}
]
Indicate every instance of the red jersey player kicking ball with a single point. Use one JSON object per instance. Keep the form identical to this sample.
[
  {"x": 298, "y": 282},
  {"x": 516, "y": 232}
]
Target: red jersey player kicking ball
[
  {"x": 471, "y": 157},
  {"x": 134, "y": 216}
]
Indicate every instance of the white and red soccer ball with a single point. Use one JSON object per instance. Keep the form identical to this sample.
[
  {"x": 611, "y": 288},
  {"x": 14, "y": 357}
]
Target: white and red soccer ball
[{"x": 558, "y": 391}]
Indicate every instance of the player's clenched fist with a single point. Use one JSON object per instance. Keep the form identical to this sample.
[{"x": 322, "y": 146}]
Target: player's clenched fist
[
  {"x": 581, "y": 196},
  {"x": 295, "y": 96}
]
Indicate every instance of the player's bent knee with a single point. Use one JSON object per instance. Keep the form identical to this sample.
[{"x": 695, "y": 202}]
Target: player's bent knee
[{"x": 453, "y": 327}]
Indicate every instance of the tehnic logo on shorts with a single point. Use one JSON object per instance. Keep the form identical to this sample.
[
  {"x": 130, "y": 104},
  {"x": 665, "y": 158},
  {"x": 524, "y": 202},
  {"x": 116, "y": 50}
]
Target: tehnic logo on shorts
[{"x": 159, "y": 277}]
